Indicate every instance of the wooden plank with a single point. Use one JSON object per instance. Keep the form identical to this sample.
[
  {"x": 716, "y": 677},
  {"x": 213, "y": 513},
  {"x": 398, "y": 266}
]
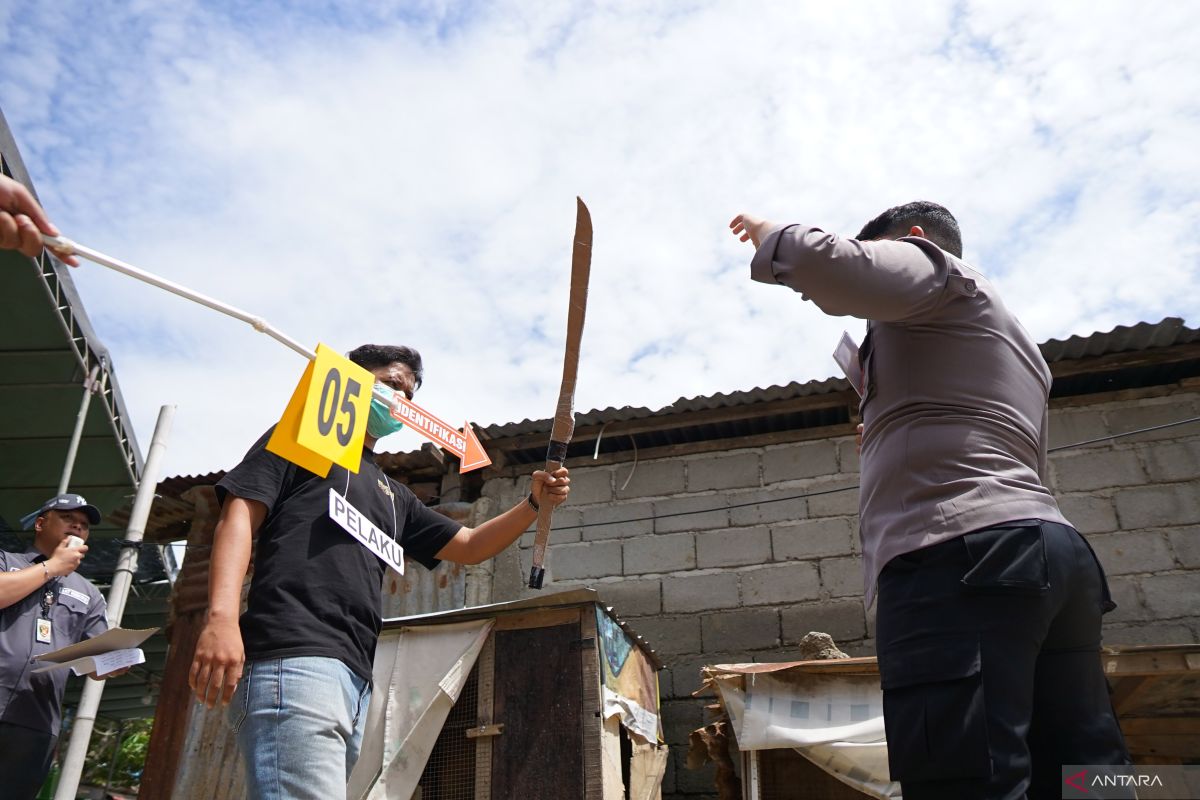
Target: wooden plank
[
  {"x": 538, "y": 697},
  {"x": 753, "y": 790},
  {"x": 539, "y": 618},
  {"x": 483, "y": 731},
  {"x": 1161, "y": 661},
  {"x": 1166, "y": 746},
  {"x": 1131, "y": 726},
  {"x": 648, "y": 764},
  {"x": 486, "y": 667},
  {"x": 613, "y": 784},
  {"x": 1126, "y": 690},
  {"x": 596, "y": 783}
]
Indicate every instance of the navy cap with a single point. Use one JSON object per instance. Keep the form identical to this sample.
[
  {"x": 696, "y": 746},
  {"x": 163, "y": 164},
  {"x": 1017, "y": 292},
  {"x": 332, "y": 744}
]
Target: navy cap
[{"x": 64, "y": 502}]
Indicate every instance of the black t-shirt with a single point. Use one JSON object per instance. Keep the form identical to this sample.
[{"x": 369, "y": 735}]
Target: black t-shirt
[{"x": 316, "y": 591}]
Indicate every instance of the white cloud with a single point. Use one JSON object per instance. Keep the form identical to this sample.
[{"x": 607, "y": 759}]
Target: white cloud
[{"x": 410, "y": 177}]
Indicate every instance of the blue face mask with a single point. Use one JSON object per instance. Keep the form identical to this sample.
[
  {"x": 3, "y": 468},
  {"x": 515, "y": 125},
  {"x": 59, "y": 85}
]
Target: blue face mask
[{"x": 380, "y": 422}]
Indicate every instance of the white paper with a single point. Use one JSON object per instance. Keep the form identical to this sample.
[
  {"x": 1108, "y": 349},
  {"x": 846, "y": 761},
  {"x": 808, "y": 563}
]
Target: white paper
[
  {"x": 102, "y": 663},
  {"x": 111, "y": 639},
  {"x": 846, "y": 356}
]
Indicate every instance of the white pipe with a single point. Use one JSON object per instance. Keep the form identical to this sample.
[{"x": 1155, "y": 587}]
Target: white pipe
[
  {"x": 62, "y": 245},
  {"x": 80, "y": 419},
  {"x": 89, "y": 701}
]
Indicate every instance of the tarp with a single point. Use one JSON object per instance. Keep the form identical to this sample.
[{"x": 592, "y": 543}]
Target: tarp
[
  {"x": 419, "y": 673},
  {"x": 629, "y": 681},
  {"x": 833, "y": 720}
]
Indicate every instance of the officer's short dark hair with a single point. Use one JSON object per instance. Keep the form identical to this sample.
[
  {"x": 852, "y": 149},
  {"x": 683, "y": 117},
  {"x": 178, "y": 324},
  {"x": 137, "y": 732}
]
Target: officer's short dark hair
[
  {"x": 939, "y": 225},
  {"x": 373, "y": 356}
]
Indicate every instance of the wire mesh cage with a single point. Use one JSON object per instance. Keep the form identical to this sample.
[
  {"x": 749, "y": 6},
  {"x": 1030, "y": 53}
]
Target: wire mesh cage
[
  {"x": 450, "y": 772},
  {"x": 786, "y": 775}
]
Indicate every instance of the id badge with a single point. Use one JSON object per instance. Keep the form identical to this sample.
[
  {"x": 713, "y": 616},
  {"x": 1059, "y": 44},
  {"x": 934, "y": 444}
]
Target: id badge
[
  {"x": 846, "y": 356},
  {"x": 43, "y": 632}
]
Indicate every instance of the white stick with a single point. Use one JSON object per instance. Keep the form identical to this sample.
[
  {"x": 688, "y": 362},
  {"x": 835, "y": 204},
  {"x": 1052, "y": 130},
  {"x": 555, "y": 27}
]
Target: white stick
[{"x": 61, "y": 245}]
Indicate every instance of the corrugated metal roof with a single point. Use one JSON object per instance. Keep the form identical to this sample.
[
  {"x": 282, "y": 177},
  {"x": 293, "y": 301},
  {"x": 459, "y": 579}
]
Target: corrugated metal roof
[
  {"x": 789, "y": 391},
  {"x": 1143, "y": 337},
  {"x": 1123, "y": 338}
]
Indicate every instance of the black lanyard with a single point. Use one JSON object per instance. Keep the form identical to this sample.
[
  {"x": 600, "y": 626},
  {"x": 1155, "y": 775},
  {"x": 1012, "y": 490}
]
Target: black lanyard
[{"x": 49, "y": 596}]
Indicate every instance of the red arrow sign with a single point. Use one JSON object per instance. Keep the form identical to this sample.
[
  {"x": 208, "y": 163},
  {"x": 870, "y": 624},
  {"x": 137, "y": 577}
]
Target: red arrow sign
[{"x": 463, "y": 444}]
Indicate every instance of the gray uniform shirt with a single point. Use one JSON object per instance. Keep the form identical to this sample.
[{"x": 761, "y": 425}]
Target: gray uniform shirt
[
  {"x": 954, "y": 408},
  {"x": 77, "y": 613}
]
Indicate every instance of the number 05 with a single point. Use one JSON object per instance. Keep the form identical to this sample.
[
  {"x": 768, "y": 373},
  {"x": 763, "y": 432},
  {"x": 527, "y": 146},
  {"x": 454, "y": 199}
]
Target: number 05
[{"x": 336, "y": 403}]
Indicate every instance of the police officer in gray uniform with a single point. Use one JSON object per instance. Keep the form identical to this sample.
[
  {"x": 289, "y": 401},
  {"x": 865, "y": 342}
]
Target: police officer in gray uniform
[
  {"x": 44, "y": 605},
  {"x": 988, "y": 621}
]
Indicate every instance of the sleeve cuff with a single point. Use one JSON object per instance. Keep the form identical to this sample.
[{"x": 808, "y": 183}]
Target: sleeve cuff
[{"x": 762, "y": 266}]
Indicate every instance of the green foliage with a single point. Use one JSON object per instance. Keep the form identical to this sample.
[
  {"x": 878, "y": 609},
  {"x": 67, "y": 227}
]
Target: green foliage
[{"x": 134, "y": 735}]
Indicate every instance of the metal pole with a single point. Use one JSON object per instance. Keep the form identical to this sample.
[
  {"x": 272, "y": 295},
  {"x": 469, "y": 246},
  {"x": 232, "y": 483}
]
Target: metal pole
[
  {"x": 89, "y": 701},
  {"x": 112, "y": 764},
  {"x": 73, "y": 448}
]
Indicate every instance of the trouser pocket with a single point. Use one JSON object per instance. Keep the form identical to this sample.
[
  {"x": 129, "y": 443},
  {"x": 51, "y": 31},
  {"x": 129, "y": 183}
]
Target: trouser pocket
[
  {"x": 1008, "y": 559},
  {"x": 933, "y": 709},
  {"x": 239, "y": 704}
]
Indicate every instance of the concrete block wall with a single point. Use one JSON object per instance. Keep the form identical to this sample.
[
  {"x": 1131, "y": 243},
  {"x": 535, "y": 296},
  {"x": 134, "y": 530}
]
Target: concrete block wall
[
  {"x": 712, "y": 559},
  {"x": 1138, "y": 502}
]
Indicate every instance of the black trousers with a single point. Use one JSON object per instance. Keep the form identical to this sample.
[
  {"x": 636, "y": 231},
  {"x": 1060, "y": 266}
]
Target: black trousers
[
  {"x": 989, "y": 659},
  {"x": 25, "y": 756}
]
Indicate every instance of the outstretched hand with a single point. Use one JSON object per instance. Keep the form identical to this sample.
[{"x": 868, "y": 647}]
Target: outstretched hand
[
  {"x": 22, "y": 221},
  {"x": 749, "y": 228}
]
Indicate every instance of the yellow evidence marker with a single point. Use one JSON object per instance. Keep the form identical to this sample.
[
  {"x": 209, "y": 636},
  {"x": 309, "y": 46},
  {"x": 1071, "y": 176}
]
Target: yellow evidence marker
[{"x": 325, "y": 421}]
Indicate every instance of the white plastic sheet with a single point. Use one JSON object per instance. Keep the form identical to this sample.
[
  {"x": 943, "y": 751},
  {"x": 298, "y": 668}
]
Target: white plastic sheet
[
  {"x": 419, "y": 673},
  {"x": 835, "y": 721}
]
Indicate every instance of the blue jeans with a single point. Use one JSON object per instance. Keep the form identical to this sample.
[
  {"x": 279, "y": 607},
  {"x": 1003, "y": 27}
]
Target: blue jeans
[{"x": 299, "y": 725}]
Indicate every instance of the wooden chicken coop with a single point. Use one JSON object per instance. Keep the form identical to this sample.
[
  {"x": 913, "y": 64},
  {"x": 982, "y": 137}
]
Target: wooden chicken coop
[{"x": 551, "y": 698}]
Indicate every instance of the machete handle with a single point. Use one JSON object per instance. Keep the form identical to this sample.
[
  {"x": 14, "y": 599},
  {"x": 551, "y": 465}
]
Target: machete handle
[
  {"x": 542, "y": 541},
  {"x": 538, "y": 572}
]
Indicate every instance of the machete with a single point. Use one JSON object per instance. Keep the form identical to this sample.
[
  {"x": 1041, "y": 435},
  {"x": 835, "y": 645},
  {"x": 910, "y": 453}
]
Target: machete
[{"x": 564, "y": 414}]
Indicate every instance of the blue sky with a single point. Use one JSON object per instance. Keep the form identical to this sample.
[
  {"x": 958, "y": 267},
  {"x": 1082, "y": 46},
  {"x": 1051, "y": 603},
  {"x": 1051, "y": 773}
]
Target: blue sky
[{"x": 407, "y": 173}]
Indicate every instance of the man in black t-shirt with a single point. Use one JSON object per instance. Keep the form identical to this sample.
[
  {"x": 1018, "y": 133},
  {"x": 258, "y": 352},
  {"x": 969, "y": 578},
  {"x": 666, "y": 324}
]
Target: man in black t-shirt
[{"x": 307, "y": 639}]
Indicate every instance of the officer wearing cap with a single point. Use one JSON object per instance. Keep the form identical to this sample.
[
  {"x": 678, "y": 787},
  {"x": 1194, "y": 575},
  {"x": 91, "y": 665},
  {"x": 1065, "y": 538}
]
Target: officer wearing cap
[{"x": 44, "y": 605}]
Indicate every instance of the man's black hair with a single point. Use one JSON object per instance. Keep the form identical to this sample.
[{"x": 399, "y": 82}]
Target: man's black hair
[
  {"x": 372, "y": 356},
  {"x": 939, "y": 225}
]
